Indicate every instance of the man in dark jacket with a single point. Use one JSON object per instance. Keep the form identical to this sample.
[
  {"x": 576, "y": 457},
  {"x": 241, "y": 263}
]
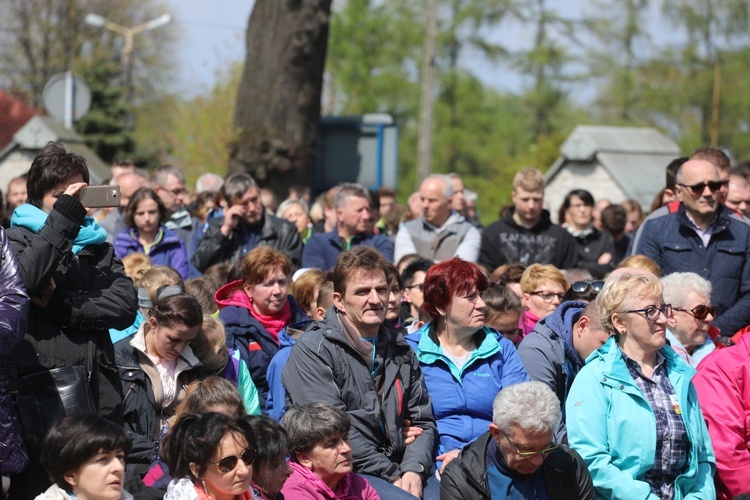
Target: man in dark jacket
[
  {"x": 558, "y": 347},
  {"x": 526, "y": 234},
  {"x": 244, "y": 226},
  {"x": 518, "y": 457},
  {"x": 353, "y": 221},
  {"x": 355, "y": 362}
]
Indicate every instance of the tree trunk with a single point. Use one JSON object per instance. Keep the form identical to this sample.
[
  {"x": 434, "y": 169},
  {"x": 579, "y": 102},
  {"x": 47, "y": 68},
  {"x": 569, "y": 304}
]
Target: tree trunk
[{"x": 278, "y": 102}]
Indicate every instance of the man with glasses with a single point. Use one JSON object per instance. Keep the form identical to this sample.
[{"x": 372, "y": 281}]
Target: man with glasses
[
  {"x": 168, "y": 182},
  {"x": 706, "y": 238},
  {"x": 519, "y": 457},
  {"x": 413, "y": 278},
  {"x": 557, "y": 349}
]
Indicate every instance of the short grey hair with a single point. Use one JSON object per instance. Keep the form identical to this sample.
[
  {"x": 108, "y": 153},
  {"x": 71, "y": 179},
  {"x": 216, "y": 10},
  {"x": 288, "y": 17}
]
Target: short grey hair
[
  {"x": 677, "y": 286},
  {"x": 160, "y": 176},
  {"x": 287, "y": 204},
  {"x": 446, "y": 181},
  {"x": 313, "y": 423},
  {"x": 531, "y": 406},
  {"x": 208, "y": 182},
  {"x": 348, "y": 189},
  {"x": 237, "y": 185}
]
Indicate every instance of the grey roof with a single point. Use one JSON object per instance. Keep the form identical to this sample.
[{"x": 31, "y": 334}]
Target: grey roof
[{"x": 636, "y": 158}]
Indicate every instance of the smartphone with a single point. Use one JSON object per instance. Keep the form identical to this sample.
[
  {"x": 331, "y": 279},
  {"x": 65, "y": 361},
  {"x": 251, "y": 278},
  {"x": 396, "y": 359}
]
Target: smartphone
[{"x": 99, "y": 196}]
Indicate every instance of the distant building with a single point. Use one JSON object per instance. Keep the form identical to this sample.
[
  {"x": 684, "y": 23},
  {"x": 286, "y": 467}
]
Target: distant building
[
  {"x": 14, "y": 112},
  {"x": 16, "y": 157},
  {"x": 616, "y": 163}
]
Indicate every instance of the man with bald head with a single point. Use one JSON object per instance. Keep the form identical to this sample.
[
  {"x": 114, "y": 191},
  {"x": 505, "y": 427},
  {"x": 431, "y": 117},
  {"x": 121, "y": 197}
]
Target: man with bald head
[
  {"x": 704, "y": 237},
  {"x": 738, "y": 198},
  {"x": 129, "y": 181},
  {"x": 440, "y": 232}
]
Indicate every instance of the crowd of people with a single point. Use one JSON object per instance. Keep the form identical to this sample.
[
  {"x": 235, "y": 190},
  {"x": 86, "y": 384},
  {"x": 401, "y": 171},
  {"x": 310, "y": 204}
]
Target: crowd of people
[{"x": 217, "y": 346}]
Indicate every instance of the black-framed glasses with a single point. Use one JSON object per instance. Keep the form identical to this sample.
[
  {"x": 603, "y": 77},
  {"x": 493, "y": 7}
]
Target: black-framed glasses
[
  {"x": 583, "y": 286},
  {"x": 700, "y": 312},
  {"x": 525, "y": 455},
  {"x": 418, "y": 286},
  {"x": 228, "y": 464},
  {"x": 652, "y": 312},
  {"x": 548, "y": 296},
  {"x": 697, "y": 189}
]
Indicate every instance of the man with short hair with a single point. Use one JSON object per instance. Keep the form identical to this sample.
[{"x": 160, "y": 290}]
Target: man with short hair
[
  {"x": 129, "y": 182},
  {"x": 413, "y": 278},
  {"x": 168, "y": 182},
  {"x": 458, "y": 200},
  {"x": 705, "y": 238},
  {"x": 723, "y": 166},
  {"x": 209, "y": 182},
  {"x": 353, "y": 218},
  {"x": 355, "y": 361},
  {"x": 518, "y": 457},
  {"x": 16, "y": 195},
  {"x": 120, "y": 167},
  {"x": 440, "y": 233},
  {"x": 557, "y": 349},
  {"x": 245, "y": 225},
  {"x": 526, "y": 234},
  {"x": 738, "y": 198}
]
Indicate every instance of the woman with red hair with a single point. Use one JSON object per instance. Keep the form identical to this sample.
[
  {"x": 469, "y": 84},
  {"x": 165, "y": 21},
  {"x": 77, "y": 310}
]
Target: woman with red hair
[{"x": 465, "y": 363}]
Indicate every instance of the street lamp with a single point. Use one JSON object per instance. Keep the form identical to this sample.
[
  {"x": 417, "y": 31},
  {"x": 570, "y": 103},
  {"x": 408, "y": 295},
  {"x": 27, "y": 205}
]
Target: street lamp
[{"x": 127, "y": 50}]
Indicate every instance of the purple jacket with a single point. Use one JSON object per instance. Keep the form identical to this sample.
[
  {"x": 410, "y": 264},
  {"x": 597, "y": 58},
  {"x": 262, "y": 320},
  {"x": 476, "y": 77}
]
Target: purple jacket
[
  {"x": 303, "y": 484},
  {"x": 14, "y": 311},
  {"x": 168, "y": 249}
]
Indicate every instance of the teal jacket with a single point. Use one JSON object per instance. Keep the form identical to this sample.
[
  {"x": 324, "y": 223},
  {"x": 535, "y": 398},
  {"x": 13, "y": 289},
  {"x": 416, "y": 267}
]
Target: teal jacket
[{"x": 612, "y": 426}]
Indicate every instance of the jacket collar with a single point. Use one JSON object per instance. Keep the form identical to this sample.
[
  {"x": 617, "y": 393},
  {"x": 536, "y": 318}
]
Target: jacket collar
[
  {"x": 185, "y": 361},
  {"x": 429, "y": 351}
]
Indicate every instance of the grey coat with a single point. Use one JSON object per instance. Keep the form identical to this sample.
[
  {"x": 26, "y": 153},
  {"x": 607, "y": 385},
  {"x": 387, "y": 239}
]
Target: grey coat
[{"x": 323, "y": 367}]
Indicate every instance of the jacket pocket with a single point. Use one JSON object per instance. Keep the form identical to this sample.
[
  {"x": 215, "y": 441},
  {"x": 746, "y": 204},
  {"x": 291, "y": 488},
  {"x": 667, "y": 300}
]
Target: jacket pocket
[{"x": 729, "y": 261}]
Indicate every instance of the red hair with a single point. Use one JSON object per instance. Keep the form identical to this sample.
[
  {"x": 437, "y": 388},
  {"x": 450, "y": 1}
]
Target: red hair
[{"x": 455, "y": 277}]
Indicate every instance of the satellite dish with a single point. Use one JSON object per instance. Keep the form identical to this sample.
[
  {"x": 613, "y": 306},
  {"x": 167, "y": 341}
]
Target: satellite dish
[{"x": 59, "y": 90}]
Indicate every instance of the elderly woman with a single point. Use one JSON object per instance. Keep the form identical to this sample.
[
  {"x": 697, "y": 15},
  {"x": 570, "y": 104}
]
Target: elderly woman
[
  {"x": 689, "y": 330},
  {"x": 518, "y": 457},
  {"x": 258, "y": 308},
  {"x": 543, "y": 288},
  {"x": 632, "y": 411},
  {"x": 465, "y": 364},
  {"x": 295, "y": 211},
  {"x": 321, "y": 457}
]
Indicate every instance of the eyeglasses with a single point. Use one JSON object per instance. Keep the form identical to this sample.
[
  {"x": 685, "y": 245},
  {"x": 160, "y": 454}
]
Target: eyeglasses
[
  {"x": 228, "y": 464},
  {"x": 548, "y": 296},
  {"x": 700, "y": 312},
  {"x": 419, "y": 286},
  {"x": 524, "y": 455},
  {"x": 700, "y": 187},
  {"x": 582, "y": 286},
  {"x": 652, "y": 312}
]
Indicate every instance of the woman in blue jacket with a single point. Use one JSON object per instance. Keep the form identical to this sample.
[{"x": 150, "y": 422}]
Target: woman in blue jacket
[
  {"x": 465, "y": 364},
  {"x": 145, "y": 217},
  {"x": 632, "y": 411}
]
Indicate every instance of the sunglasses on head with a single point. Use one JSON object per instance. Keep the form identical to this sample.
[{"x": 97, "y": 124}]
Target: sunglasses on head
[
  {"x": 228, "y": 464},
  {"x": 700, "y": 187},
  {"x": 582, "y": 286},
  {"x": 700, "y": 312}
]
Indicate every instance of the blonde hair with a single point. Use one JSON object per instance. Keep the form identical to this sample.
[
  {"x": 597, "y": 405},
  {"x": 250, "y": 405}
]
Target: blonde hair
[
  {"x": 620, "y": 289},
  {"x": 529, "y": 179},
  {"x": 136, "y": 264},
  {"x": 538, "y": 274},
  {"x": 639, "y": 261},
  {"x": 210, "y": 339},
  {"x": 304, "y": 288}
]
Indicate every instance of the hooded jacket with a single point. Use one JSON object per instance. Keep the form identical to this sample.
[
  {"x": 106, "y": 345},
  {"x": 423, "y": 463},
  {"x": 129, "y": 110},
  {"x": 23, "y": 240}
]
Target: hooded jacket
[
  {"x": 245, "y": 333},
  {"x": 322, "y": 250},
  {"x": 564, "y": 473},
  {"x": 168, "y": 249},
  {"x": 462, "y": 398},
  {"x": 549, "y": 356},
  {"x": 215, "y": 247},
  {"x": 323, "y": 367},
  {"x": 612, "y": 426},
  {"x": 505, "y": 242},
  {"x": 276, "y": 401}
]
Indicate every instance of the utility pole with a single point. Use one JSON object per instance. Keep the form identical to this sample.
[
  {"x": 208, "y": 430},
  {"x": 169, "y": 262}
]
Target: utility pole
[{"x": 427, "y": 101}]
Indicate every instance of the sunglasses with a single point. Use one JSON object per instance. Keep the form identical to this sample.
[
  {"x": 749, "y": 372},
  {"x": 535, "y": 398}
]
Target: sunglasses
[
  {"x": 700, "y": 312},
  {"x": 700, "y": 187},
  {"x": 583, "y": 286},
  {"x": 228, "y": 464},
  {"x": 652, "y": 312},
  {"x": 524, "y": 455}
]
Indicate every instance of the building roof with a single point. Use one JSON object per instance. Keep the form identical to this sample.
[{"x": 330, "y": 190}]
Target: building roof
[
  {"x": 636, "y": 158},
  {"x": 40, "y": 130}
]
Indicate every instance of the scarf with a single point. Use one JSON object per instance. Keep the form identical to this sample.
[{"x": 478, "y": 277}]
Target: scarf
[
  {"x": 32, "y": 218},
  {"x": 273, "y": 323}
]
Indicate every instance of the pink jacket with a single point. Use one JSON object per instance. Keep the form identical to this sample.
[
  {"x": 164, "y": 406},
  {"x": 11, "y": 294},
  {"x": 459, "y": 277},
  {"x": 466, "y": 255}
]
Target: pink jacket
[
  {"x": 723, "y": 386},
  {"x": 304, "y": 484}
]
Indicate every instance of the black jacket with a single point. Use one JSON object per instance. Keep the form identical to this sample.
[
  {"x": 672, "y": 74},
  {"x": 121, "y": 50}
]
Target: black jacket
[
  {"x": 505, "y": 242},
  {"x": 591, "y": 247},
  {"x": 215, "y": 247},
  {"x": 564, "y": 472}
]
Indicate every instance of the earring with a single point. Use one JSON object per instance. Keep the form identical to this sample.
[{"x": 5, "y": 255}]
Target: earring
[{"x": 204, "y": 487}]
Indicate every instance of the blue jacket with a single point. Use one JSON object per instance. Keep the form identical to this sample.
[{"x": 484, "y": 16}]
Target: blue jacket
[
  {"x": 322, "y": 250},
  {"x": 462, "y": 399},
  {"x": 276, "y": 401},
  {"x": 670, "y": 241},
  {"x": 612, "y": 426},
  {"x": 167, "y": 250}
]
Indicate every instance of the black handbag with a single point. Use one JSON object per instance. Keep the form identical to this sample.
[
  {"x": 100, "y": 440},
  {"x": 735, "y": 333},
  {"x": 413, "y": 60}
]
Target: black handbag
[{"x": 45, "y": 397}]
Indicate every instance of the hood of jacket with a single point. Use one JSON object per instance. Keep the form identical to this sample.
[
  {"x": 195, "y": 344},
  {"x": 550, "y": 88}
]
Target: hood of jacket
[
  {"x": 560, "y": 323},
  {"x": 544, "y": 221}
]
